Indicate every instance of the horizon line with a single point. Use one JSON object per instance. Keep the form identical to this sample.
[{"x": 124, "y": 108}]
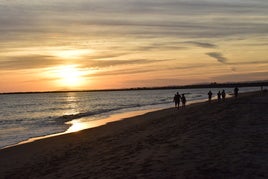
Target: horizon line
[{"x": 199, "y": 85}]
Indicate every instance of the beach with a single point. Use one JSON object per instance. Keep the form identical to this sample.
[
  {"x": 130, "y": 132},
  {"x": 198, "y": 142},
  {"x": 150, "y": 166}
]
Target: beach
[{"x": 204, "y": 140}]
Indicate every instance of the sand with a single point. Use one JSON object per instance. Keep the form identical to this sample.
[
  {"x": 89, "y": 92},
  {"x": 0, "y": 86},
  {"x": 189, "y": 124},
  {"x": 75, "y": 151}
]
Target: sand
[{"x": 218, "y": 140}]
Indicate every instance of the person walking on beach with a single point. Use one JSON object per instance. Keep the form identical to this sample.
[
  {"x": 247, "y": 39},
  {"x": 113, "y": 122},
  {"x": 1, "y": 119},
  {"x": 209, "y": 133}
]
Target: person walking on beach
[
  {"x": 183, "y": 100},
  {"x": 177, "y": 99},
  {"x": 219, "y": 96},
  {"x": 209, "y": 96},
  {"x": 223, "y": 94},
  {"x": 236, "y": 92}
]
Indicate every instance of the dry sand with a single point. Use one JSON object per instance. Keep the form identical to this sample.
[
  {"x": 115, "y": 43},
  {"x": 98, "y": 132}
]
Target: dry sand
[{"x": 217, "y": 140}]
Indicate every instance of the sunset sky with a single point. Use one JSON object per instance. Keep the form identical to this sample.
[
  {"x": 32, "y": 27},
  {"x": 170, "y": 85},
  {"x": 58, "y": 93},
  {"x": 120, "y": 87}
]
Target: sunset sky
[{"x": 48, "y": 45}]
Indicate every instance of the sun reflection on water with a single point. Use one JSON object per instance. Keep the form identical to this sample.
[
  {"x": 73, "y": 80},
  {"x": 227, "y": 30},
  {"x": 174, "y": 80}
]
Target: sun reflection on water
[
  {"x": 86, "y": 123},
  {"x": 77, "y": 126}
]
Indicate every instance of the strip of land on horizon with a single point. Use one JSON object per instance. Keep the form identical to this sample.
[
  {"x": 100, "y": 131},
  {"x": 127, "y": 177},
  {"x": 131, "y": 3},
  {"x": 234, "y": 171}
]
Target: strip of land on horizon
[{"x": 260, "y": 84}]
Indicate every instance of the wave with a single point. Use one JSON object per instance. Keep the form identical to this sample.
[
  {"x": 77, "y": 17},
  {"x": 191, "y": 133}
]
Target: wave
[
  {"x": 66, "y": 118},
  {"x": 70, "y": 117}
]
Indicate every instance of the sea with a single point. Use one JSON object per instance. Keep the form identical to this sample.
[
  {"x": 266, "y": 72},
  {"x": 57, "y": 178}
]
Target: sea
[{"x": 31, "y": 115}]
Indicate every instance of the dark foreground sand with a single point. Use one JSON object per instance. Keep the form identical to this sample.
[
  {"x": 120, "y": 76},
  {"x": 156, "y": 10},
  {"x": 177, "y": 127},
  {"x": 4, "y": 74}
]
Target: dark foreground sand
[{"x": 218, "y": 140}]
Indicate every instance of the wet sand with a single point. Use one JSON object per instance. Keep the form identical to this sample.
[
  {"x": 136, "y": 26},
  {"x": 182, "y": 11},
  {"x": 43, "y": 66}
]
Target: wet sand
[{"x": 218, "y": 140}]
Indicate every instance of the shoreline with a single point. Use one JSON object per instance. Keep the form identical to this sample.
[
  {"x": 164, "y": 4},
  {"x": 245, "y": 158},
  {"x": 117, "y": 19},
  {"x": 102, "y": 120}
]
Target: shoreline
[
  {"x": 205, "y": 140},
  {"x": 80, "y": 126},
  {"x": 66, "y": 125},
  {"x": 76, "y": 126},
  {"x": 105, "y": 120}
]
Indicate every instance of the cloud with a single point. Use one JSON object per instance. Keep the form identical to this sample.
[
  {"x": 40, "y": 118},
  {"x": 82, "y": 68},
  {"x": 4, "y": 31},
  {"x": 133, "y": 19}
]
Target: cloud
[
  {"x": 161, "y": 46},
  {"x": 92, "y": 61},
  {"x": 24, "y": 20},
  {"x": 130, "y": 68},
  {"x": 122, "y": 72},
  {"x": 29, "y": 62},
  {"x": 201, "y": 44},
  {"x": 249, "y": 62},
  {"x": 104, "y": 55},
  {"x": 233, "y": 69},
  {"x": 218, "y": 56},
  {"x": 108, "y": 63}
]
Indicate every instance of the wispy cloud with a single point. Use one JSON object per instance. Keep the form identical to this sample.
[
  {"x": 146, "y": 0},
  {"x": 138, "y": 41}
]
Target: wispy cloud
[
  {"x": 93, "y": 61},
  {"x": 29, "y": 62},
  {"x": 249, "y": 62},
  {"x": 108, "y": 63},
  {"x": 202, "y": 44},
  {"x": 121, "y": 72},
  {"x": 218, "y": 56},
  {"x": 182, "y": 18},
  {"x": 131, "y": 66},
  {"x": 161, "y": 46}
]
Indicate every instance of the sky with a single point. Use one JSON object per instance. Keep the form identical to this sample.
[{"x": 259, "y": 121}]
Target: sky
[{"x": 49, "y": 45}]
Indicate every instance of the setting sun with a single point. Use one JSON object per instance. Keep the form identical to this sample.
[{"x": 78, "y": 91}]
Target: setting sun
[{"x": 70, "y": 76}]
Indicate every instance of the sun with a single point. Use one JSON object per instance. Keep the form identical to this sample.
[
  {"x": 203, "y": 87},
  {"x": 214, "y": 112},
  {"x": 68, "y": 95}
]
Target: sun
[{"x": 70, "y": 76}]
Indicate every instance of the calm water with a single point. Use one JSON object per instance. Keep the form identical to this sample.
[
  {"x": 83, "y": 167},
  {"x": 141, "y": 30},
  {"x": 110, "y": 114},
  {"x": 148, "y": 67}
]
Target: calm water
[{"x": 23, "y": 116}]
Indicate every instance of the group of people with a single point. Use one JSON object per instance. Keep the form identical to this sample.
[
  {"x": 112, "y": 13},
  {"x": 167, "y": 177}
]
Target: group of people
[
  {"x": 182, "y": 99},
  {"x": 179, "y": 99},
  {"x": 221, "y": 95}
]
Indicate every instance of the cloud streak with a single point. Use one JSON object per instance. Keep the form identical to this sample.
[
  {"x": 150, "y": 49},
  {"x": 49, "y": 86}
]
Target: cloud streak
[
  {"x": 29, "y": 62},
  {"x": 109, "y": 63},
  {"x": 182, "y": 18},
  {"x": 201, "y": 44},
  {"x": 41, "y": 61},
  {"x": 218, "y": 56}
]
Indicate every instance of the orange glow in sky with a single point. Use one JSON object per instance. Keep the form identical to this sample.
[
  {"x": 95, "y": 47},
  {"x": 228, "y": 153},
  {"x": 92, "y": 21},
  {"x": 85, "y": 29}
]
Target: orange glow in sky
[
  {"x": 71, "y": 54},
  {"x": 83, "y": 45}
]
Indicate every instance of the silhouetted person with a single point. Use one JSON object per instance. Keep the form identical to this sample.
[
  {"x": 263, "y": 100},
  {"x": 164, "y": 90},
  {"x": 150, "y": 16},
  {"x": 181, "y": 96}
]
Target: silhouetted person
[
  {"x": 223, "y": 94},
  {"x": 177, "y": 99},
  {"x": 236, "y": 92},
  {"x": 209, "y": 96},
  {"x": 219, "y": 96},
  {"x": 183, "y": 100}
]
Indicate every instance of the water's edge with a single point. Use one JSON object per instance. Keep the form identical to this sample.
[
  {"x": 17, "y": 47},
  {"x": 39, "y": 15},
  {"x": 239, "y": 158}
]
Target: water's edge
[
  {"x": 101, "y": 121},
  {"x": 86, "y": 122},
  {"x": 93, "y": 124}
]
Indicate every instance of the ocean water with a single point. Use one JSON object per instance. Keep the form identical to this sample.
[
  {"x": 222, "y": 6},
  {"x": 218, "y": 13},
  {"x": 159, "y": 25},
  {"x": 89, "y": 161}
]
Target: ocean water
[{"x": 24, "y": 116}]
